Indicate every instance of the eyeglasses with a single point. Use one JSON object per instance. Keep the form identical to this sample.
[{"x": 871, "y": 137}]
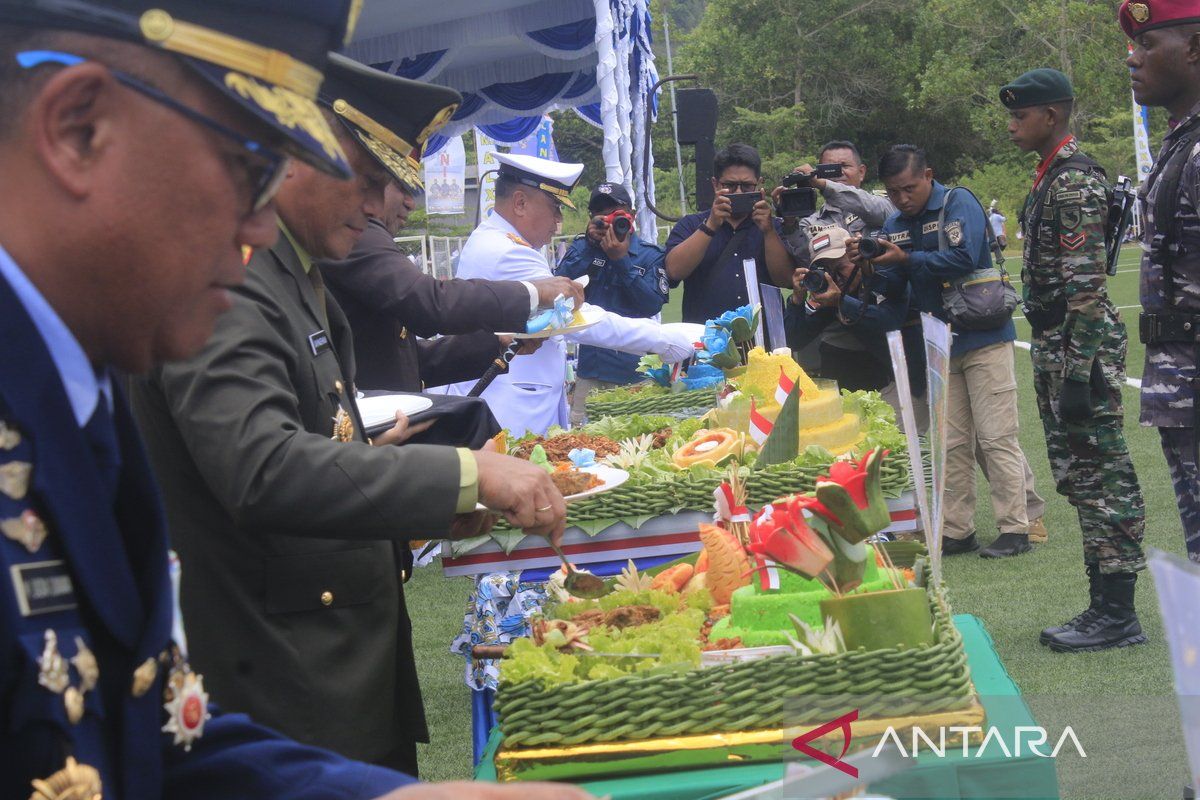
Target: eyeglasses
[
  {"x": 265, "y": 170},
  {"x": 736, "y": 186}
]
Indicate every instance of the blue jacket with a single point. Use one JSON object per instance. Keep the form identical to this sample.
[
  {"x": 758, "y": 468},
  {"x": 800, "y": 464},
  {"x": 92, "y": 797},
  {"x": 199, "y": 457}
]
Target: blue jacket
[
  {"x": 107, "y": 564},
  {"x": 633, "y": 286},
  {"x": 928, "y": 267}
]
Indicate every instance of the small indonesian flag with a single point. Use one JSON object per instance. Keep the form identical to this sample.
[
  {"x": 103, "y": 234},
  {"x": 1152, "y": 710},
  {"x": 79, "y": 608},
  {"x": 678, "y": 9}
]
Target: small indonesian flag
[
  {"x": 784, "y": 388},
  {"x": 768, "y": 573},
  {"x": 760, "y": 426}
]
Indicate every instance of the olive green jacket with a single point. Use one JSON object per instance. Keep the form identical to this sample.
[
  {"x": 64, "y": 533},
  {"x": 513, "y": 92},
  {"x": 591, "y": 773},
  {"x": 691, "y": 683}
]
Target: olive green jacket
[{"x": 290, "y": 542}]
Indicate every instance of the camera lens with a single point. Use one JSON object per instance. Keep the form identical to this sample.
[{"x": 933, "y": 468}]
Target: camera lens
[
  {"x": 815, "y": 281},
  {"x": 621, "y": 227},
  {"x": 870, "y": 248}
]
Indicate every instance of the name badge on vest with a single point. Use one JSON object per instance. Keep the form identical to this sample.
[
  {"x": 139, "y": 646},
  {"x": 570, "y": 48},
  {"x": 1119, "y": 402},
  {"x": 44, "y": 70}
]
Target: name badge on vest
[
  {"x": 43, "y": 587},
  {"x": 319, "y": 342}
]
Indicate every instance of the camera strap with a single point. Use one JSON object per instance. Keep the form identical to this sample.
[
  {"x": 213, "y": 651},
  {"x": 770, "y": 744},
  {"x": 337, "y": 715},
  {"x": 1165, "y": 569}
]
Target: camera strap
[{"x": 733, "y": 244}]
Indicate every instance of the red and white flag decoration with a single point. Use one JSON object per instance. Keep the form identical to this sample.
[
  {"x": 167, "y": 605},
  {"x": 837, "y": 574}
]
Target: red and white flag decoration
[
  {"x": 760, "y": 426},
  {"x": 784, "y": 388},
  {"x": 768, "y": 573}
]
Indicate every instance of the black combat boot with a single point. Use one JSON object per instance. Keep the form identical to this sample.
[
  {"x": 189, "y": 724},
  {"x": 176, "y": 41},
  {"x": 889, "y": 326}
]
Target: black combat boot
[
  {"x": 1093, "y": 573},
  {"x": 953, "y": 547},
  {"x": 1114, "y": 624},
  {"x": 1007, "y": 544}
]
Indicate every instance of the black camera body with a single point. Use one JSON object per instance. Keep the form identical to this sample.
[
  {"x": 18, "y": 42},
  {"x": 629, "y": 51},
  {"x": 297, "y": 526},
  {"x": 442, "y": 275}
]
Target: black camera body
[
  {"x": 741, "y": 203},
  {"x": 871, "y": 247},
  {"x": 824, "y": 171},
  {"x": 798, "y": 202},
  {"x": 815, "y": 280}
]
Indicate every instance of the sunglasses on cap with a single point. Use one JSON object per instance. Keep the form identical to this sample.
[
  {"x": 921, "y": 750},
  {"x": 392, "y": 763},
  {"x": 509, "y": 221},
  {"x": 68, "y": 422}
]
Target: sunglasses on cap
[{"x": 266, "y": 170}]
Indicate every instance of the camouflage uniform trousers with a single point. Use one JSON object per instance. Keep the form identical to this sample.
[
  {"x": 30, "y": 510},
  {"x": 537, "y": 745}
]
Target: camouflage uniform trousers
[
  {"x": 1179, "y": 447},
  {"x": 1090, "y": 461}
]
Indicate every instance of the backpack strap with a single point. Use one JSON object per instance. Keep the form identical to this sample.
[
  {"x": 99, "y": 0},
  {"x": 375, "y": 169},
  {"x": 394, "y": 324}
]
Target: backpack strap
[
  {"x": 1076, "y": 160},
  {"x": 1169, "y": 170}
]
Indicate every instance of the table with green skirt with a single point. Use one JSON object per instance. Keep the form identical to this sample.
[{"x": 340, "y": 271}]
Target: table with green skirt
[{"x": 983, "y": 773}]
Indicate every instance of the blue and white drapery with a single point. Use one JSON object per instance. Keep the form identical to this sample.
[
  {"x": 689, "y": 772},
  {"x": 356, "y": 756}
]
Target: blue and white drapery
[{"x": 512, "y": 64}]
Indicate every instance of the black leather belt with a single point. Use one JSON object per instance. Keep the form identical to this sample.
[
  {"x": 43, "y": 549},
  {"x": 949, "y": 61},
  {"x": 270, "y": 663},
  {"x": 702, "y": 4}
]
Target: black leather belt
[{"x": 1160, "y": 328}]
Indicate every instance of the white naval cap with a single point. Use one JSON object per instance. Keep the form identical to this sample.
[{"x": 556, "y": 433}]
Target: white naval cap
[{"x": 553, "y": 177}]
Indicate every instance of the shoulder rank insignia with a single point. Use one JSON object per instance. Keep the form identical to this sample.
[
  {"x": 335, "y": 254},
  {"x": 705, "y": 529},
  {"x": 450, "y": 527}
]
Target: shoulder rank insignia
[
  {"x": 74, "y": 781},
  {"x": 954, "y": 233},
  {"x": 9, "y": 438},
  {"x": 14, "y": 478},
  {"x": 27, "y": 530},
  {"x": 517, "y": 240},
  {"x": 186, "y": 704},
  {"x": 53, "y": 672}
]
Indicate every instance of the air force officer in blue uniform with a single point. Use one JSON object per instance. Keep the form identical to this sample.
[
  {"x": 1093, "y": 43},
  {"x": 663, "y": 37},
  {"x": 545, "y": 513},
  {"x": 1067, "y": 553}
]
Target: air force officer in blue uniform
[{"x": 147, "y": 141}]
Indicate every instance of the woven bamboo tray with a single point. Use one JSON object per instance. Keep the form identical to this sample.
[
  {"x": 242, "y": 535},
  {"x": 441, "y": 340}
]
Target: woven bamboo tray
[
  {"x": 759, "y": 695},
  {"x": 699, "y": 399}
]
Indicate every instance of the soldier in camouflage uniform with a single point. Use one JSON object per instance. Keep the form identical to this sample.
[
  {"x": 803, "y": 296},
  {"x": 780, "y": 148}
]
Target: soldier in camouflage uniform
[
  {"x": 1165, "y": 71},
  {"x": 1079, "y": 345}
]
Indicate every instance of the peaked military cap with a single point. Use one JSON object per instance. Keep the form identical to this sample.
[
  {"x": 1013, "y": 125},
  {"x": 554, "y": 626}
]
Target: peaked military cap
[
  {"x": 1038, "y": 87},
  {"x": 552, "y": 177},
  {"x": 391, "y": 117},
  {"x": 268, "y": 56},
  {"x": 1137, "y": 16}
]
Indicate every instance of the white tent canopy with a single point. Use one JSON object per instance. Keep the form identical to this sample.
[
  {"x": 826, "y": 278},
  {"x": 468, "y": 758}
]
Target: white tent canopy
[{"x": 513, "y": 60}]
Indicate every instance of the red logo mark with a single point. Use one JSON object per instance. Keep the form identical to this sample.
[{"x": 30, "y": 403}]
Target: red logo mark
[{"x": 801, "y": 743}]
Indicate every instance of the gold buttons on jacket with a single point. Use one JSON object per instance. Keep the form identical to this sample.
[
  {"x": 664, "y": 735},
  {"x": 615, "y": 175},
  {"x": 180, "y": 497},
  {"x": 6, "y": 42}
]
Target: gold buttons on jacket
[
  {"x": 73, "y": 700},
  {"x": 338, "y": 386},
  {"x": 143, "y": 677},
  {"x": 326, "y": 598}
]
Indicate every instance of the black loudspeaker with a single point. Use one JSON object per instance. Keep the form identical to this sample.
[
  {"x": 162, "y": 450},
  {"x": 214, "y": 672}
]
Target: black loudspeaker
[{"x": 696, "y": 115}]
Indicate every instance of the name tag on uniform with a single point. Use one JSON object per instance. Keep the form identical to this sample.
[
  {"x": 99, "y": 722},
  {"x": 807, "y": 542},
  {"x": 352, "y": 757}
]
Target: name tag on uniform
[
  {"x": 900, "y": 237},
  {"x": 43, "y": 587},
  {"x": 319, "y": 342},
  {"x": 929, "y": 227}
]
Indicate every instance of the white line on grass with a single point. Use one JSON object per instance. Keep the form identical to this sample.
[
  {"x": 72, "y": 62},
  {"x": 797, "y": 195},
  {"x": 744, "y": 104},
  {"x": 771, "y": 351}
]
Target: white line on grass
[{"x": 1136, "y": 383}]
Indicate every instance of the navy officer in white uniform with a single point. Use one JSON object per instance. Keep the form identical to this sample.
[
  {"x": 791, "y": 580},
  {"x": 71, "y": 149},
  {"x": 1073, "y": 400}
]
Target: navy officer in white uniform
[{"x": 530, "y": 193}]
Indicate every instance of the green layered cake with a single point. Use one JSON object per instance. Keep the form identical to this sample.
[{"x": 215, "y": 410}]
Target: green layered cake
[{"x": 759, "y": 617}]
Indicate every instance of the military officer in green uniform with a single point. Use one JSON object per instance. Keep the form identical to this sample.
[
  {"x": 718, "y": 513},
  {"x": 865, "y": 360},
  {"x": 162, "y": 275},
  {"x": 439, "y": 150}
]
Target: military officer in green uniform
[{"x": 1078, "y": 351}]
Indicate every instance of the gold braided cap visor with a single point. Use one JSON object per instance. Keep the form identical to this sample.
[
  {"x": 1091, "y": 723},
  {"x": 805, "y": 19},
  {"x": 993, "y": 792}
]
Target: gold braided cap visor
[
  {"x": 270, "y": 83},
  {"x": 396, "y": 155}
]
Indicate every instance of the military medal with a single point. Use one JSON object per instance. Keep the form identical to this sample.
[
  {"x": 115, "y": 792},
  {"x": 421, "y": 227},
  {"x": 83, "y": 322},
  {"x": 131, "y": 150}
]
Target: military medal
[
  {"x": 14, "y": 478},
  {"x": 186, "y": 703},
  {"x": 27, "y": 530},
  {"x": 343, "y": 427},
  {"x": 9, "y": 438},
  {"x": 73, "y": 782},
  {"x": 53, "y": 672},
  {"x": 85, "y": 664}
]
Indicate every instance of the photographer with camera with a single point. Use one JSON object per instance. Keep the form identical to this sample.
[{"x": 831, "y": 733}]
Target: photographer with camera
[
  {"x": 708, "y": 251},
  {"x": 938, "y": 238},
  {"x": 841, "y": 293},
  {"x": 838, "y": 178},
  {"x": 626, "y": 275}
]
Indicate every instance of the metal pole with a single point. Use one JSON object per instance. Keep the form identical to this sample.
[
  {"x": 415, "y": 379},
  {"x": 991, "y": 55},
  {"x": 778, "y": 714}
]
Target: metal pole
[{"x": 674, "y": 119}]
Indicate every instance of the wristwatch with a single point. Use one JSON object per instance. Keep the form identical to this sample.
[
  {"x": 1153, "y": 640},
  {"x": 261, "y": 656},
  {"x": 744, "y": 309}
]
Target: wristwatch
[{"x": 707, "y": 231}]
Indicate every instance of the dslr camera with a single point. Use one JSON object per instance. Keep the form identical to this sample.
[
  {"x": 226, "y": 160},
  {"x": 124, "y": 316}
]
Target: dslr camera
[
  {"x": 870, "y": 247},
  {"x": 619, "y": 220},
  {"x": 815, "y": 280},
  {"x": 824, "y": 171}
]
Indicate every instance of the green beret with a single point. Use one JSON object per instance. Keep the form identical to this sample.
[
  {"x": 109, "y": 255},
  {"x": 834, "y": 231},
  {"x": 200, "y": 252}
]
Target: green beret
[{"x": 1038, "y": 87}]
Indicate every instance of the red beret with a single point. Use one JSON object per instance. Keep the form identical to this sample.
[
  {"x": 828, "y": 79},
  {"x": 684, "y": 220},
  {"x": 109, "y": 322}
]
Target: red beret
[{"x": 1137, "y": 16}]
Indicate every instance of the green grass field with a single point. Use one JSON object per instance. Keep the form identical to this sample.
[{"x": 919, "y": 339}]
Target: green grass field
[{"x": 1120, "y": 703}]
